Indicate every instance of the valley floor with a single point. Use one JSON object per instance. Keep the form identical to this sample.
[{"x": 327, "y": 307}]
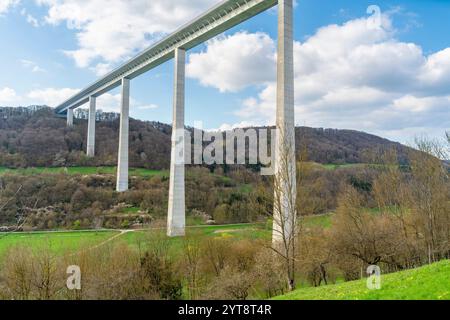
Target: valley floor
[
  {"x": 60, "y": 242},
  {"x": 71, "y": 241}
]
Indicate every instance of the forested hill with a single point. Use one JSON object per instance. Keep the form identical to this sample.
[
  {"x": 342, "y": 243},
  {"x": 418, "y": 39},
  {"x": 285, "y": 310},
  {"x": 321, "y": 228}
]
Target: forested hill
[{"x": 42, "y": 139}]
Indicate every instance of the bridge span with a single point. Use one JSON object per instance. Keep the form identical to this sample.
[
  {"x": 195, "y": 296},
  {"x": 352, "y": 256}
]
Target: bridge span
[{"x": 218, "y": 19}]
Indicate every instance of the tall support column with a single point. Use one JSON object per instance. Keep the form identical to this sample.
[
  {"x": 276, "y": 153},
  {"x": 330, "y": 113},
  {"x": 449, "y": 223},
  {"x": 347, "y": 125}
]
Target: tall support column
[
  {"x": 122, "y": 165},
  {"x": 91, "y": 127},
  {"x": 70, "y": 118},
  {"x": 285, "y": 163},
  {"x": 177, "y": 211}
]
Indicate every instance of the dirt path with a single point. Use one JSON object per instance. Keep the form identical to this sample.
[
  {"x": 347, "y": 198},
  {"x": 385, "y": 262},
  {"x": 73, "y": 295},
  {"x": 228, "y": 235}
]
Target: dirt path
[{"x": 103, "y": 243}]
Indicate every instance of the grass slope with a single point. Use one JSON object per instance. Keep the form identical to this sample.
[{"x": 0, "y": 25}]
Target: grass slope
[{"x": 431, "y": 282}]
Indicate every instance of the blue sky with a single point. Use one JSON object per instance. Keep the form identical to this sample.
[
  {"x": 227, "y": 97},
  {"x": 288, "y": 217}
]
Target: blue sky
[{"x": 393, "y": 81}]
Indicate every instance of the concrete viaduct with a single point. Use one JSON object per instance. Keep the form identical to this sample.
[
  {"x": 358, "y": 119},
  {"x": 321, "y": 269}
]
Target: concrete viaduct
[{"x": 218, "y": 19}]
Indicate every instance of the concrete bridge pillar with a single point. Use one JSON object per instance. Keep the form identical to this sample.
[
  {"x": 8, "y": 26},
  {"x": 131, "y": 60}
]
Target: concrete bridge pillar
[
  {"x": 91, "y": 127},
  {"x": 122, "y": 166},
  {"x": 177, "y": 211},
  {"x": 285, "y": 162},
  {"x": 70, "y": 118}
]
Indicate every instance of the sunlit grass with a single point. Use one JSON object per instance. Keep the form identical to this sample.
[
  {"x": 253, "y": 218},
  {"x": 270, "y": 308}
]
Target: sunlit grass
[
  {"x": 427, "y": 283},
  {"x": 58, "y": 242}
]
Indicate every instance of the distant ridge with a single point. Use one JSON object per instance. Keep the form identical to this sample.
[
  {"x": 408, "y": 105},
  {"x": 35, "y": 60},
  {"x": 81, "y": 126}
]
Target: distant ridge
[{"x": 42, "y": 139}]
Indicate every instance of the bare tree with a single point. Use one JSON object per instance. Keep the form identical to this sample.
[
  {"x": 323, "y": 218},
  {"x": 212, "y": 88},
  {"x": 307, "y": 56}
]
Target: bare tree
[
  {"x": 280, "y": 203},
  {"x": 430, "y": 194},
  {"x": 285, "y": 205}
]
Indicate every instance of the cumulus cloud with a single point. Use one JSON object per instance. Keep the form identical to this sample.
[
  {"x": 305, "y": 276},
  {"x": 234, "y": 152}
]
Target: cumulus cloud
[
  {"x": 110, "y": 31},
  {"x": 101, "y": 69},
  {"x": 346, "y": 76},
  {"x": 50, "y": 96},
  {"x": 111, "y": 103},
  {"x": 233, "y": 62},
  {"x": 7, "y": 96},
  {"x": 5, "y": 5},
  {"x": 230, "y": 127}
]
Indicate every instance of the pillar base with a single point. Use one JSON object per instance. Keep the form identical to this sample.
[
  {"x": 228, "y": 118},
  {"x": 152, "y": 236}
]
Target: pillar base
[
  {"x": 122, "y": 187},
  {"x": 91, "y": 152},
  {"x": 176, "y": 232}
]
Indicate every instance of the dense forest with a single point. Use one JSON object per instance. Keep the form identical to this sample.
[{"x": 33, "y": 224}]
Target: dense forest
[{"x": 42, "y": 139}]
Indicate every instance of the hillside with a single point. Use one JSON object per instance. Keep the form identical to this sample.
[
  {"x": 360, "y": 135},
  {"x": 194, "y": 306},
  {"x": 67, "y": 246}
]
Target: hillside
[
  {"x": 431, "y": 282},
  {"x": 42, "y": 139}
]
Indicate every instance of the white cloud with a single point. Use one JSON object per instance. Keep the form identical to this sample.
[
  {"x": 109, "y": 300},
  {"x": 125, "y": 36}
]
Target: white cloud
[
  {"x": 111, "y": 103},
  {"x": 7, "y": 96},
  {"x": 346, "y": 76},
  {"x": 110, "y": 31},
  {"x": 233, "y": 62},
  {"x": 32, "y": 20},
  {"x": 5, "y": 5},
  {"x": 435, "y": 73},
  {"x": 230, "y": 127},
  {"x": 148, "y": 107},
  {"x": 31, "y": 65},
  {"x": 101, "y": 69},
  {"x": 50, "y": 96}
]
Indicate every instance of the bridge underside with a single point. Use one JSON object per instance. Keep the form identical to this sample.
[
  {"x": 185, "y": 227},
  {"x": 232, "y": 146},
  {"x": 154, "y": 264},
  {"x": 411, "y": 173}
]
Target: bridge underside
[{"x": 220, "y": 18}]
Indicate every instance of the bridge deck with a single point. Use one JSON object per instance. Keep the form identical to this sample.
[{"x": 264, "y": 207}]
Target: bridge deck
[{"x": 218, "y": 19}]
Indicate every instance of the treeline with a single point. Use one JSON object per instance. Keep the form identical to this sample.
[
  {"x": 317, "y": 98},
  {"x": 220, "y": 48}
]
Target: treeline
[{"x": 42, "y": 139}]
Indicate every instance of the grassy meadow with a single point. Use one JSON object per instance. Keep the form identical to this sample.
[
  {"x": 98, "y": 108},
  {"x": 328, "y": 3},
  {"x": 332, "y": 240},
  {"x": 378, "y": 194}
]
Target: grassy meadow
[
  {"x": 71, "y": 241},
  {"x": 61, "y": 242},
  {"x": 431, "y": 282}
]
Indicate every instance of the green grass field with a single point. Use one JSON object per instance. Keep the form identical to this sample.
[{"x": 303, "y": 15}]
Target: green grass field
[
  {"x": 83, "y": 171},
  {"x": 56, "y": 241},
  {"x": 231, "y": 232},
  {"x": 71, "y": 241},
  {"x": 427, "y": 283}
]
